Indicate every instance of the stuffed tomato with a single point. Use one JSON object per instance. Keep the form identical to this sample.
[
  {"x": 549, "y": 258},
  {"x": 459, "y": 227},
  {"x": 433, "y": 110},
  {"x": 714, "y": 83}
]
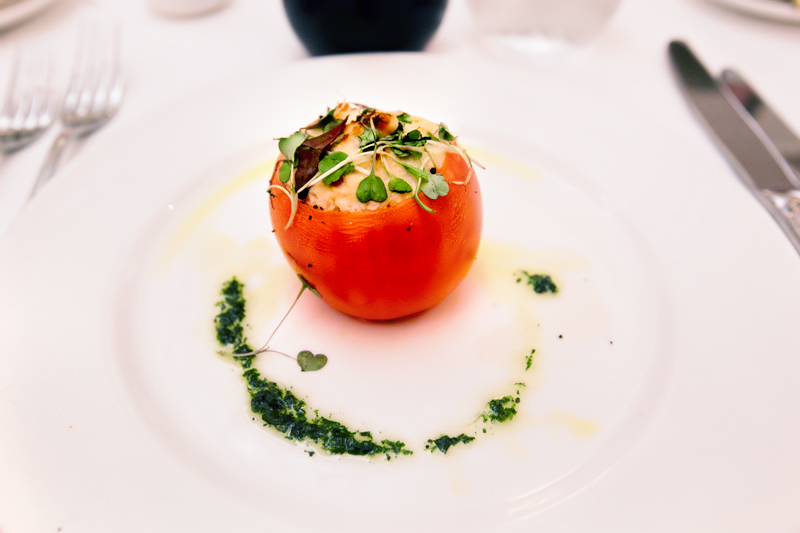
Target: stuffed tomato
[{"x": 379, "y": 212}]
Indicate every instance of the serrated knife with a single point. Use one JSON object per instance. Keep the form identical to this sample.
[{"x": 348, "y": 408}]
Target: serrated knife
[{"x": 757, "y": 162}]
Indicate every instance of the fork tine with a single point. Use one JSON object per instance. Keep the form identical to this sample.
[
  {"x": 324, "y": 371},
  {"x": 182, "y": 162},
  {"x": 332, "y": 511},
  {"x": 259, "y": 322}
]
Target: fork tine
[
  {"x": 113, "y": 86},
  {"x": 40, "y": 115},
  {"x": 38, "y": 72},
  {"x": 10, "y": 97},
  {"x": 102, "y": 72},
  {"x": 90, "y": 73},
  {"x": 72, "y": 96},
  {"x": 118, "y": 82},
  {"x": 25, "y": 88},
  {"x": 26, "y": 114},
  {"x": 50, "y": 103}
]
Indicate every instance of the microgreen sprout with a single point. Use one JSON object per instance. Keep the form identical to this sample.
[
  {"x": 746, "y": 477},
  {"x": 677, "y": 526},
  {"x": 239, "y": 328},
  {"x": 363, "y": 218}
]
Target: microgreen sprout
[
  {"x": 412, "y": 151},
  {"x": 288, "y": 414},
  {"x": 372, "y": 187},
  {"x": 307, "y": 361},
  {"x": 444, "y": 133},
  {"x": 289, "y": 145},
  {"x": 280, "y": 408}
]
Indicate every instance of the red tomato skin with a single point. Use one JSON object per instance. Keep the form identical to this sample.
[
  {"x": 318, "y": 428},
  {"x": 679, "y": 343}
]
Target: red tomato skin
[{"x": 388, "y": 263}]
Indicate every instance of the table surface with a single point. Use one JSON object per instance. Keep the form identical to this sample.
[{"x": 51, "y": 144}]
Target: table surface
[{"x": 165, "y": 58}]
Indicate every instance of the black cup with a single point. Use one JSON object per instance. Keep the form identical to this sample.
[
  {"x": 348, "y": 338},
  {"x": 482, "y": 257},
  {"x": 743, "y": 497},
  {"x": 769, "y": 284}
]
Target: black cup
[{"x": 344, "y": 26}]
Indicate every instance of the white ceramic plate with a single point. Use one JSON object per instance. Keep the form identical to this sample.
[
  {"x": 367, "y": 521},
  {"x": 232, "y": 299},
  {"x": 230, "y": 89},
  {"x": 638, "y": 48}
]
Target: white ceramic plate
[
  {"x": 764, "y": 9},
  {"x": 20, "y": 11},
  {"x": 662, "y": 395}
]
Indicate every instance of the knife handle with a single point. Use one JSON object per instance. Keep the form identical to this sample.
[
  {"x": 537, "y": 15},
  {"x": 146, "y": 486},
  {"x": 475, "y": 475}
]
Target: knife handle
[{"x": 786, "y": 211}]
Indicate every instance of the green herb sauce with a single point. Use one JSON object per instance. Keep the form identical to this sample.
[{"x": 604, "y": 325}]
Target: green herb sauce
[
  {"x": 501, "y": 409},
  {"x": 281, "y": 409},
  {"x": 529, "y": 360},
  {"x": 308, "y": 159},
  {"x": 444, "y": 442},
  {"x": 541, "y": 283}
]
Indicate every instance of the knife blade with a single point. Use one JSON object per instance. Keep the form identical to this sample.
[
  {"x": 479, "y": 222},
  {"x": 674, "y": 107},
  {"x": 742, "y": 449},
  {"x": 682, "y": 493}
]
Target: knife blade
[
  {"x": 781, "y": 136},
  {"x": 757, "y": 162}
]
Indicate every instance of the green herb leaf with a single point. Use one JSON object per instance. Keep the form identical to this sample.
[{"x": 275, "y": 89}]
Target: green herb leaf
[
  {"x": 371, "y": 188},
  {"x": 444, "y": 133},
  {"x": 332, "y": 124},
  {"x": 422, "y": 176},
  {"x": 307, "y": 285},
  {"x": 401, "y": 153},
  {"x": 369, "y": 136},
  {"x": 309, "y": 362},
  {"x": 415, "y": 138},
  {"x": 418, "y": 173},
  {"x": 435, "y": 187},
  {"x": 404, "y": 117},
  {"x": 288, "y": 145},
  {"x": 412, "y": 136},
  {"x": 330, "y": 161},
  {"x": 399, "y": 185},
  {"x": 285, "y": 172}
]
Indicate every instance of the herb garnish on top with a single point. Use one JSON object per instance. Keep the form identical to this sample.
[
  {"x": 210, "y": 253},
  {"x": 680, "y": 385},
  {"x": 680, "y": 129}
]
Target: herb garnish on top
[{"x": 308, "y": 159}]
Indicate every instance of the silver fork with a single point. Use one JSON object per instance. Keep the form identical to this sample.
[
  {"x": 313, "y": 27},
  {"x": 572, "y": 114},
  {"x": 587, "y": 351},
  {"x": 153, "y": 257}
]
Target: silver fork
[
  {"x": 93, "y": 96},
  {"x": 29, "y": 107}
]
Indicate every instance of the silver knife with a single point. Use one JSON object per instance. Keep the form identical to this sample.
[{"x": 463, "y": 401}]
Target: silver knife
[
  {"x": 757, "y": 162},
  {"x": 782, "y": 137}
]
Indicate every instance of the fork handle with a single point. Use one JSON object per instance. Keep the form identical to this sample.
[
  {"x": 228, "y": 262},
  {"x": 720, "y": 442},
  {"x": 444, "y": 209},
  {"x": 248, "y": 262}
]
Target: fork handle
[{"x": 53, "y": 158}]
